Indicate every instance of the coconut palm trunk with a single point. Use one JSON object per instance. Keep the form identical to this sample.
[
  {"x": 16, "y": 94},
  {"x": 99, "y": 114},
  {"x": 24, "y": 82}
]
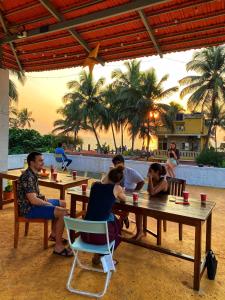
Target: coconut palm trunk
[
  {"x": 95, "y": 133},
  {"x": 133, "y": 139},
  {"x": 75, "y": 139},
  {"x": 208, "y": 134},
  {"x": 143, "y": 142},
  {"x": 121, "y": 128},
  {"x": 216, "y": 138},
  {"x": 114, "y": 138}
]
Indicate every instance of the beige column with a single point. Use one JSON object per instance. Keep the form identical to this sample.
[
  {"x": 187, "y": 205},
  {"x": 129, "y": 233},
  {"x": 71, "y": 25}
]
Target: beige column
[{"x": 4, "y": 118}]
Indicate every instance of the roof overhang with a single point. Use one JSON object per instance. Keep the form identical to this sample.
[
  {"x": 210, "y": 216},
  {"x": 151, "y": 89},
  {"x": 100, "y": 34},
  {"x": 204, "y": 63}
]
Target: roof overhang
[{"x": 41, "y": 35}]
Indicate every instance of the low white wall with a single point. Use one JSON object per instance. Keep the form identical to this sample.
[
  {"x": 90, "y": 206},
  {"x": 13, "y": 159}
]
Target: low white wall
[{"x": 194, "y": 175}]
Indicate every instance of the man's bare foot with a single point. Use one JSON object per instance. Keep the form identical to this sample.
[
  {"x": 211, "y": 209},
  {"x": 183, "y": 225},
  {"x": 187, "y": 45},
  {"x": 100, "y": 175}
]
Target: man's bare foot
[{"x": 138, "y": 236}]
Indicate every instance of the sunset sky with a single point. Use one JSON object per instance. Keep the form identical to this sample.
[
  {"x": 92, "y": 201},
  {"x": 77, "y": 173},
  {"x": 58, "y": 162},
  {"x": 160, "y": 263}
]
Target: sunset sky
[{"x": 43, "y": 91}]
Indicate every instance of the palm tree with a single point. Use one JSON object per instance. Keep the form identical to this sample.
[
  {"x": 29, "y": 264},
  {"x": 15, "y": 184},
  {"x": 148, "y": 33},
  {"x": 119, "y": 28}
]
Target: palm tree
[
  {"x": 207, "y": 88},
  {"x": 71, "y": 121},
  {"x": 13, "y": 93},
  {"x": 171, "y": 113},
  {"x": 110, "y": 118},
  {"x": 13, "y": 98},
  {"x": 153, "y": 93},
  {"x": 129, "y": 92},
  {"x": 24, "y": 118},
  {"x": 218, "y": 116},
  {"x": 88, "y": 94}
]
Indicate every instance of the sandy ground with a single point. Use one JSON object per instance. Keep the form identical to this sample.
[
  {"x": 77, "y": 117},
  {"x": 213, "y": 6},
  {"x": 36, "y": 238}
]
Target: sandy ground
[{"x": 31, "y": 273}]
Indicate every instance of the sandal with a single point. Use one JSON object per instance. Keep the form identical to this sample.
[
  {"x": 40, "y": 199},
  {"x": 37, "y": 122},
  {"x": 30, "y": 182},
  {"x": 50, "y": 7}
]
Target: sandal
[
  {"x": 52, "y": 239},
  {"x": 65, "y": 252}
]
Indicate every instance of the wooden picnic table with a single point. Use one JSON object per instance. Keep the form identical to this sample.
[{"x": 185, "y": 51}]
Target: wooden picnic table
[
  {"x": 165, "y": 208},
  {"x": 64, "y": 181}
]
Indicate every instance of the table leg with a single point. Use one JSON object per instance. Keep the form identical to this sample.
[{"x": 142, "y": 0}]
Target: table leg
[
  {"x": 159, "y": 232},
  {"x": 208, "y": 233},
  {"x": 62, "y": 193},
  {"x": 73, "y": 207},
  {"x": 1, "y": 191},
  {"x": 197, "y": 256},
  {"x": 73, "y": 210}
]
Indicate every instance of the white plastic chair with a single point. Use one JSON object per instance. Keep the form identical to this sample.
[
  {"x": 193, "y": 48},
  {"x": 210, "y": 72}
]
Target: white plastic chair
[
  {"x": 60, "y": 164},
  {"x": 100, "y": 227}
]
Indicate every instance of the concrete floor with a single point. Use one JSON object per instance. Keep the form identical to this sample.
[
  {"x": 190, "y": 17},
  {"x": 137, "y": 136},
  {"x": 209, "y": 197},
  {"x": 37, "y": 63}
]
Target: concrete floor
[{"x": 31, "y": 273}]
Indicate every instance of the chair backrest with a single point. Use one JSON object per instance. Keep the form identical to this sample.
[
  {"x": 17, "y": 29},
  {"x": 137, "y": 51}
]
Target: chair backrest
[
  {"x": 100, "y": 227},
  {"x": 176, "y": 186},
  {"x": 16, "y": 205}
]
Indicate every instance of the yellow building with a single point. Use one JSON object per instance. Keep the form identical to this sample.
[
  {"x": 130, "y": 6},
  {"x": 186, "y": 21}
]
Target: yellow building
[{"x": 189, "y": 133}]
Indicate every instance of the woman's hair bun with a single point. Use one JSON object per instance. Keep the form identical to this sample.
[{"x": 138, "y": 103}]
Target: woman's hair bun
[{"x": 116, "y": 174}]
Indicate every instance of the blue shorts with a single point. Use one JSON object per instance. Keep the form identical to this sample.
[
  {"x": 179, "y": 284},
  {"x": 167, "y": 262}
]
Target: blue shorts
[{"x": 43, "y": 212}]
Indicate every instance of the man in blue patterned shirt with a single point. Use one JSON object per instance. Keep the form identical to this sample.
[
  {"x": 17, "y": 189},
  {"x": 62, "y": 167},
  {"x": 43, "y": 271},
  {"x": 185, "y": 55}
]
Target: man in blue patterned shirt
[{"x": 33, "y": 205}]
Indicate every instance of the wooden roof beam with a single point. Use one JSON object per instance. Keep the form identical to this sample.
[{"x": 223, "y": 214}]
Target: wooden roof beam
[
  {"x": 86, "y": 19},
  {"x": 59, "y": 17},
  {"x": 11, "y": 44},
  {"x": 150, "y": 31}
]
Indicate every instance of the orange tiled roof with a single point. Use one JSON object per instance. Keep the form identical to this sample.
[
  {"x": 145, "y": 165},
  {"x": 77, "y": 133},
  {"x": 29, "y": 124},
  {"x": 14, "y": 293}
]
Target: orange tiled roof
[{"x": 175, "y": 24}]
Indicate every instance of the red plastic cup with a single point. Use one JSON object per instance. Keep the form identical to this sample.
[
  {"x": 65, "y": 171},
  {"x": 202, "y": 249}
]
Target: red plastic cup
[
  {"x": 203, "y": 197},
  {"x": 186, "y": 196},
  {"x": 74, "y": 175},
  {"x": 84, "y": 187},
  {"x": 135, "y": 197},
  {"x": 54, "y": 176},
  {"x": 43, "y": 170}
]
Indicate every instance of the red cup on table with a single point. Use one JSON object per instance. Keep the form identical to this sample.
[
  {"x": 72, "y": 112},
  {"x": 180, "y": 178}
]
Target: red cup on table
[
  {"x": 74, "y": 174},
  {"x": 135, "y": 197},
  {"x": 84, "y": 187},
  {"x": 54, "y": 176},
  {"x": 203, "y": 197},
  {"x": 43, "y": 170},
  {"x": 185, "y": 196}
]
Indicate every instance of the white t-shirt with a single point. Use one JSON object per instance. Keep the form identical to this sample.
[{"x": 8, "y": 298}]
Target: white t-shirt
[{"x": 131, "y": 178}]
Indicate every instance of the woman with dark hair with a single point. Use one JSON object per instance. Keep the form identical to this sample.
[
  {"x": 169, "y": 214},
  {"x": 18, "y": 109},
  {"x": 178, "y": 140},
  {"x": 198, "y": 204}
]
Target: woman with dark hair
[
  {"x": 173, "y": 158},
  {"x": 102, "y": 198},
  {"x": 157, "y": 185}
]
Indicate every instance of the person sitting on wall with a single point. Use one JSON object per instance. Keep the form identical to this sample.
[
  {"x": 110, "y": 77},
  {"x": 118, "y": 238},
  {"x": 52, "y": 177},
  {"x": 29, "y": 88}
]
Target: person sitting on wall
[
  {"x": 173, "y": 159},
  {"x": 33, "y": 205},
  {"x": 60, "y": 150}
]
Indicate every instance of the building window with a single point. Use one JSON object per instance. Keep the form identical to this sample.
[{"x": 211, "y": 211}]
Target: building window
[
  {"x": 180, "y": 128},
  {"x": 185, "y": 146}
]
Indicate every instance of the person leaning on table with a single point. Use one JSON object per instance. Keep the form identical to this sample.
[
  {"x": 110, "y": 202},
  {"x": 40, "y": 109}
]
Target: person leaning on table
[
  {"x": 157, "y": 185},
  {"x": 33, "y": 205},
  {"x": 132, "y": 181},
  {"x": 102, "y": 198}
]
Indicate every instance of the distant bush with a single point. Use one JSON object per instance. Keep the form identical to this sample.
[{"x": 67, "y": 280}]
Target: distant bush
[
  {"x": 211, "y": 157},
  {"x": 27, "y": 140}
]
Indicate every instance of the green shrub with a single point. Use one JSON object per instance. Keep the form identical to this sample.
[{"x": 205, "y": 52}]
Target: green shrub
[
  {"x": 28, "y": 140},
  {"x": 211, "y": 157}
]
